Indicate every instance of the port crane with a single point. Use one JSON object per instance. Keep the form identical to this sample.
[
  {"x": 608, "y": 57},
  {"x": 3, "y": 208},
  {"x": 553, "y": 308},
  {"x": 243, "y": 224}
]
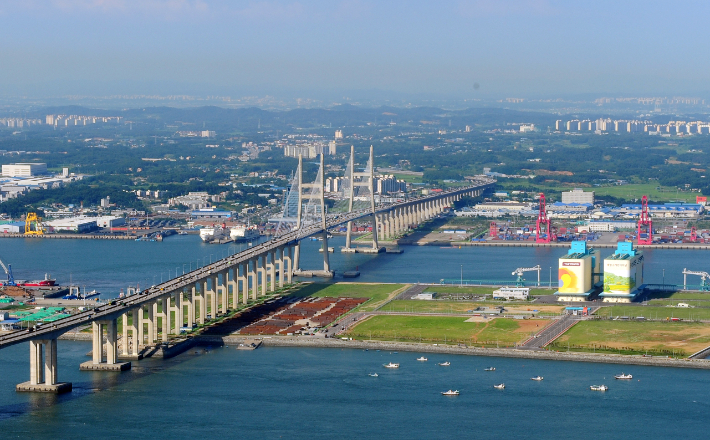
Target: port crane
[
  {"x": 520, "y": 282},
  {"x": 10, "y": 278},
  {"x": 704, "y": 278}
]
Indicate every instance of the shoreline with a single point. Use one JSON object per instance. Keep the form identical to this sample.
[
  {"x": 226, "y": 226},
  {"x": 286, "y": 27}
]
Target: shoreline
[
  {"x": 569, "y": 356},
  {"x": 469, "y": 351}
]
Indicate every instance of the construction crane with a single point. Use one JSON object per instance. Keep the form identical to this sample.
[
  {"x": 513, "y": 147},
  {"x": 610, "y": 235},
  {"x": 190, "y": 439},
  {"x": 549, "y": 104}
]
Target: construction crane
[
  {"x": 645, "y": 223},
  {"x": 544, "y": 225},
  {"x": 520, "y": 282},
  {"x": 33, "y": 224},
  {"x": 704, "y": 277},
  {"x": 10, "y": 278}
]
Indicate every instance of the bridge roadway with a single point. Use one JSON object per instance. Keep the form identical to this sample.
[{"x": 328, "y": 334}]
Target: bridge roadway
[{"x": 114, "y": 310}]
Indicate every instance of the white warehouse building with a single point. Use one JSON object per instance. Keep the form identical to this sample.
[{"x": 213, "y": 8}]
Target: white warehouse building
[{"x": 24, "y": 169}]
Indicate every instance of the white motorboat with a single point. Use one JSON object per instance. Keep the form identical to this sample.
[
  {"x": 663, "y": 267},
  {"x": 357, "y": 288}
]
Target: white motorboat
[
  {"x": 450, "y": 393},
  {"x": 445, "y": 364},
  {"x": 623, "y": 376},
  {"x": 538, "y": 378},
  {"x": 500, "y": 386},
  {"x": 373, "y": 375},
  {"x": 422, "y": 359},
  {"x": 598, "y": 387},
  {"x": 391, "y": 365},
  {"x": 490, "y": 369}
]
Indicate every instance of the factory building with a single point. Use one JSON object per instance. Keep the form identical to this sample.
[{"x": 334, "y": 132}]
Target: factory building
[
  {"x": 578, "y": 195},
  {"x": 578, "y": 272},
  {"x": 623, "y": 274},
  {"x": 24, "y": 169}
]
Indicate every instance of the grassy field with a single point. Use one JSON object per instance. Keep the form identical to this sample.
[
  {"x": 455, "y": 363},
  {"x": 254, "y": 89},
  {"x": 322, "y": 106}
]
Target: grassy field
[
  {"x": 628, "y": 192},
  {"x": 378, "y": 293},
  {"x": 478, "y": 290},
  {"x": 674, "y": 298},
  {"x": 652, "y": 312},
  {"x": 494, "y": 332},
  {"x": 631, "y": 337},
  {"x": 420, "y": 306}
]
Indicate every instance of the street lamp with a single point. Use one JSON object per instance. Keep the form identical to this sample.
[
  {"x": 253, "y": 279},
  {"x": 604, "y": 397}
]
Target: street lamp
[
  {"x": 550, "y": 277},
  {"x": 461, "y": 285},
  {"x": 664, "y": 278},
  {"x": 183, "y": 268}
]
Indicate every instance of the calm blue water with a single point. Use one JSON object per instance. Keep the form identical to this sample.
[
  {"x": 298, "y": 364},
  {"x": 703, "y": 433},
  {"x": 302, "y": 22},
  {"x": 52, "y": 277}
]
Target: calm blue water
[
  {"x": 109, "y": 266},
  {"x": 323, "y": 393}
]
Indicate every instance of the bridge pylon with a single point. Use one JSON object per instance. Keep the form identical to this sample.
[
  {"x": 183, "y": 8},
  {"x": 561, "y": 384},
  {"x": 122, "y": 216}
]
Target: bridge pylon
[
  {"x": 314, "y": 213},
  {"x": 361, "y": 185}
]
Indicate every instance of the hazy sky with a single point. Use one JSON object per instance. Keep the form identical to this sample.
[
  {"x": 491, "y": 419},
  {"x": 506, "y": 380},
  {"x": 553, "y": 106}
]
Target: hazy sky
[{"x": 509, "y": 47}]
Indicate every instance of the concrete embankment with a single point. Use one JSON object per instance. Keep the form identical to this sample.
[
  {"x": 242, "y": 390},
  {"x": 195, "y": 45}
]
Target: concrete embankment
[
  {"x": 470, "y": 351},
  {"x": 443, "y": 349}
]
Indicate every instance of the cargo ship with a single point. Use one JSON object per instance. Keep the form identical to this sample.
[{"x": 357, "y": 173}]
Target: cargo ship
[
  {"x": 46, "y": 282},
  {"x": 213, "y": 233},
  {"x": 244, "y": 233}
]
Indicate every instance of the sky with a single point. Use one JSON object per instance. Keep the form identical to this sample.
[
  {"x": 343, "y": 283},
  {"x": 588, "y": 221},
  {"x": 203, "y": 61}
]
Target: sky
[{"x": 445, "y": 48}]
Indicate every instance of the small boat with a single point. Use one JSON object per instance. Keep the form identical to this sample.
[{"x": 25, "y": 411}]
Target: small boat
[
  {"x": 623, "y": 376},
  {"x": 445, "y": 364},
  {"x": 598, "y": 387},
  {"x": 391, "y": 365},
  {"x": 490, "y": 369},
  {"x": 373, "y": 374},
  {"x": 450, "y": 393},
  {"x": 422, "y": 359},
  {"x": 538, "y": 378},
  {"x": 500, "y": 386}
]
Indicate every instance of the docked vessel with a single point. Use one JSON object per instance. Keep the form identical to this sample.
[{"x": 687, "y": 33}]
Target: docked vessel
[
  {"x": 46, "y": 282},
  {"x": 212, "y": 233},
  {"x": 391, "y": 365},
  {"x": 623, "y": 376},
  {"x": 244, "y": 233},
  {"x": 422, "y": 359},
  {"x": 450, "y": 393},
  {"x": 445, "y": 364},
  {"x": 490, "y": 369},
  {"x": 500, "y": 386},
  {"x": 598, "y": 387},
  {"x": 538, "y": 378}
]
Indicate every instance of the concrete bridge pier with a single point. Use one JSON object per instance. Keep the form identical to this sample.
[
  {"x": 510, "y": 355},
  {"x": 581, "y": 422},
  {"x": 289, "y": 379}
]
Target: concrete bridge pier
[
  {"x": 271, "y": 269},
  {"x": 43, "y": 369},
  {"x": 244, "y": 280},
  {"x": 97, "y": 361}
]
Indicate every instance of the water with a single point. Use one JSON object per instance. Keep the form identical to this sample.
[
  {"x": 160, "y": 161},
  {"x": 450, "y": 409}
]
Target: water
[
  {"x": 109, "y": 266},
  {"x": 306, "y": 393},
  {"x": 322, "y": 393}
]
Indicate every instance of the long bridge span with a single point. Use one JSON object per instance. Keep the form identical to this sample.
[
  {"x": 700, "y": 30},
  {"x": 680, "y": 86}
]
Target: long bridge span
[{"x": 184, "y": 300}]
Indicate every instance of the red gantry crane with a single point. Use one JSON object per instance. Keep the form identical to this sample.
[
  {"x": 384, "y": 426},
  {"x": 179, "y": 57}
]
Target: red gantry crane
[
  {"x": 645, "y": 225},
  {"x": 544, "y": 225}
]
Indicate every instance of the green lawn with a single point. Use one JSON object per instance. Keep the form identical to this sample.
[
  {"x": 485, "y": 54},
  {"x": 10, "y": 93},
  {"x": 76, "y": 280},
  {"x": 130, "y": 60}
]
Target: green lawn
[
  {"x": 656, "y": 312},
  {"x": 632, "y": 337},
  {"x": 674, "y": 298},
  {"x": 440, "y": 329},
  {"x": 378, "y": 293},
  {"x": 628, "y": 192}
]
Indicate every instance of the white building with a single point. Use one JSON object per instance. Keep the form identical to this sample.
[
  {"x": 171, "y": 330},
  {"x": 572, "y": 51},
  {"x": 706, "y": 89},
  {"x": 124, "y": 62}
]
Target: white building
[
  {"x": 515, "y": 293},
  {"x": 24, "y": 169},
  {"x": 73, "y": 224},
  {"x": 578, "y": 195}
]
